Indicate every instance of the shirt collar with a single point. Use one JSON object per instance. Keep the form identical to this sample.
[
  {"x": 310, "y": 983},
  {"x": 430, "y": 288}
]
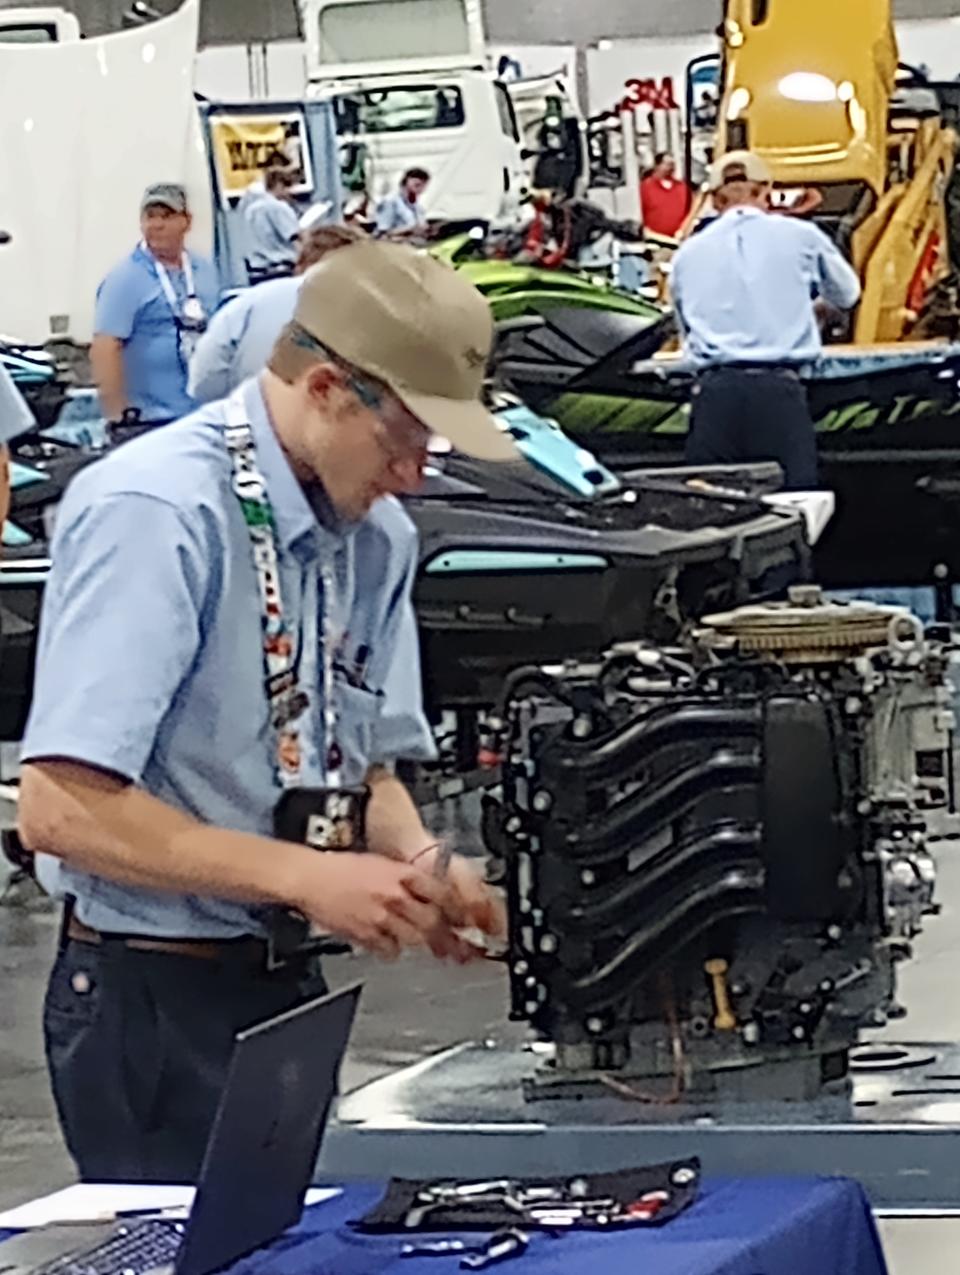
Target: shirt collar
[
  {"x": 297, "y": 519},
  {"x": 746, "y": 212},
  {"x": 146, "y": 257}
]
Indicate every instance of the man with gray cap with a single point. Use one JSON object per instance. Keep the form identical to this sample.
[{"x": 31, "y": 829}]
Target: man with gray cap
[
  {"x": 151, "y": 309},
  {"x": 209, "y": 764},
  {"x": 745, "y": 289}
]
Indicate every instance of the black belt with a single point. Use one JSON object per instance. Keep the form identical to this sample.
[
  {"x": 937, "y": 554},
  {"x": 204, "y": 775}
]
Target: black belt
[{"x": 770, "y": 369}]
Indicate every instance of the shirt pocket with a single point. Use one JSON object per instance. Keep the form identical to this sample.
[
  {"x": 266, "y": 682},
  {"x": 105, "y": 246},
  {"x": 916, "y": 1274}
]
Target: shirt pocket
[{"x": 358, "y": 719}]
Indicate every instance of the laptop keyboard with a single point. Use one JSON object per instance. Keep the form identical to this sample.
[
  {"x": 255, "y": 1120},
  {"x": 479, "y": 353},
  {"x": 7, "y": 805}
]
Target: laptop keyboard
[{"x": 131, "y": 1250}]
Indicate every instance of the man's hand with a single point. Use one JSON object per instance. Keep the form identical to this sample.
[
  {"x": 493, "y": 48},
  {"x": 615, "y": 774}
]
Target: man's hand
[
  {"x": 383, "y": 905},
  {"x": 395, "y": 831},
  {"x": 481, "y": 906}
]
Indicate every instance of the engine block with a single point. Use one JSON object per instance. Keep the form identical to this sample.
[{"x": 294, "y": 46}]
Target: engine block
[{"x": 717, "y": 854}]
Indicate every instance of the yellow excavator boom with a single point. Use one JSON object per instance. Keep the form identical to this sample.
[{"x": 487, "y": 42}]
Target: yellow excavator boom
[{"x": 812, "y": 86}]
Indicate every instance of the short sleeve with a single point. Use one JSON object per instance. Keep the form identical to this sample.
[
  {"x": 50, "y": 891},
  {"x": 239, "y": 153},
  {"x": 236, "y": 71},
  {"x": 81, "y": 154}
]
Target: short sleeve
[
  {"x": 285, "y": 223},
  {"x": 120, "y": 629},
  {"x": 386, "y": 217},
  {"x": 118, "y": 300},
  {"x": 403, "y": 732},
  {"x": 835, "y": 279},
  {"x": 213, "y": 365}
]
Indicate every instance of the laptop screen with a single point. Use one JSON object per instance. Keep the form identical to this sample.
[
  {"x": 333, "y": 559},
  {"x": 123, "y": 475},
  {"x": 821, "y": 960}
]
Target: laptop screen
[{"x": 261, "y": 1154}]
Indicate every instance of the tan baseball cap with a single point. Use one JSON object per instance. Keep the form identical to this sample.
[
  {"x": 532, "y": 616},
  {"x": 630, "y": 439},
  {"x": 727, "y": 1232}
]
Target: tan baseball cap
[
  {"x": 738, "y": 166},
  {"x": 419, "y": 327}
]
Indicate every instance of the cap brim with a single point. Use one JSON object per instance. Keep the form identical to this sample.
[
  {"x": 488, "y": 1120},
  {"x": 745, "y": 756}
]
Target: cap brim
[
  {"x": 468, "y": 425},
  {"x": 161, "y": 203}
]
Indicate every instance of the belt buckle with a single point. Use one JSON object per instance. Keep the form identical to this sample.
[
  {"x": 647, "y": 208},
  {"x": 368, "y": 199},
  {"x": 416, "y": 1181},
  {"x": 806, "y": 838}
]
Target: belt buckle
[
  {"x": 289, "y": 940},
  {"x": 286, "y": 934}
]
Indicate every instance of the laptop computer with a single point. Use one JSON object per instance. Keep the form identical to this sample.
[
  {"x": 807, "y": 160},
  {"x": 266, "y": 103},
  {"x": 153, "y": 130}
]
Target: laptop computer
[{"x": 257, "y": 1167}]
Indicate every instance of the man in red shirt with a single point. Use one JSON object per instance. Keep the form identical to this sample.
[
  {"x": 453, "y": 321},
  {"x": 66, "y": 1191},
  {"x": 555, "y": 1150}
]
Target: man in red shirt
[{"x": 665, "y": 199}]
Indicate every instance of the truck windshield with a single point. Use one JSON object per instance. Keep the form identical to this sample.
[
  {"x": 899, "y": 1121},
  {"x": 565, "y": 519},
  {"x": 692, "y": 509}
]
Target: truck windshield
[
  {"x": 401, "y": 109},
  {"x": 393, "y": 30}
]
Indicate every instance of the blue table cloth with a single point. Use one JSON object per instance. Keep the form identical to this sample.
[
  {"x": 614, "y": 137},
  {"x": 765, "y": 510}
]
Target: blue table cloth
[{"x": 764, "y": 1227}]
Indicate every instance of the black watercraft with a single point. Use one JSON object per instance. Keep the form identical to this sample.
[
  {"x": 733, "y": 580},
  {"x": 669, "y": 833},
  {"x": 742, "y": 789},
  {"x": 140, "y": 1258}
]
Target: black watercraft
[
  {"x": 888, "y": 424},
  {"x": 520, "y": 563}
]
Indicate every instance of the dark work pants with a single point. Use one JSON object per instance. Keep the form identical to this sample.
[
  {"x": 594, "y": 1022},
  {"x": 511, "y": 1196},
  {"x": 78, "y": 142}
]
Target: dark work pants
[
  {"x": 138, "y": 1045},
  {"x": 745, "y": 415}
]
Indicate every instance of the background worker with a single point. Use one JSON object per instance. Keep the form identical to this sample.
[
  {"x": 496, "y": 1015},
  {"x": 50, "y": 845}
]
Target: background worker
[
  {"x": 151, "y": 309},
  {"x": 272, "y": 227},
  {"x": 216, "y": 631},
  {"x": 664, "y": 197},
  {"x": 401, "y": 214},
  {"x": 746, "y": 290},
  {"x": 240, "y": 336}
]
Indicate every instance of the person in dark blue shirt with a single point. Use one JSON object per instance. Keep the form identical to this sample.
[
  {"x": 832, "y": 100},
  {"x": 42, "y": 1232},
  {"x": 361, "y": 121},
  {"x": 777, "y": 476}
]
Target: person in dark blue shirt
[{"x": 151, "y": 310}]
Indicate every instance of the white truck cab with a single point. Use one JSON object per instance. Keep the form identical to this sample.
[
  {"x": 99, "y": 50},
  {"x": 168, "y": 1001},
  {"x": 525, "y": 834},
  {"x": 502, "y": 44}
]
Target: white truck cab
[{"x": 410, "y": 83}]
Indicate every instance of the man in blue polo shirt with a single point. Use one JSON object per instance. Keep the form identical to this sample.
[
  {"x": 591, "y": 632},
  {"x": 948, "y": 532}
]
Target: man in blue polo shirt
[
  {"x": 240, "y": 336},
  {"x": 401, "y": 214},
  {"x": 151, "y": 309},
  {"x": 213, "y": 672},
  {"x": 272, "y": 228}
]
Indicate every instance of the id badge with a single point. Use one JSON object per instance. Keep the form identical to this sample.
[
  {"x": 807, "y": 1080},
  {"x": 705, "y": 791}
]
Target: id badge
[
  {"x": 193, "y": 313},
  {"x": 323, "y": 818},
  {"x": 326, "y": 819}
]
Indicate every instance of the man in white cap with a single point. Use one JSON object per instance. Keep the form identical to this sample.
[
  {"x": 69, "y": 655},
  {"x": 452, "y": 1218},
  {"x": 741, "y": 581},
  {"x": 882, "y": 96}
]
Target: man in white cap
[
  {"x": 209, "y": 750},
  {"x": 745, "y": 289}
]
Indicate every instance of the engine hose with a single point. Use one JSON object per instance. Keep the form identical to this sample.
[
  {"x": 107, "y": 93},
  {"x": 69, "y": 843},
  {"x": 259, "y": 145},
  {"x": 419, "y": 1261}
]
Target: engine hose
[
  {"x": 667, "y": 872},
  {"x": 659, "y": 938},
  {"x": 641, "y": 816},
  {"x": 610, "y": 759}
]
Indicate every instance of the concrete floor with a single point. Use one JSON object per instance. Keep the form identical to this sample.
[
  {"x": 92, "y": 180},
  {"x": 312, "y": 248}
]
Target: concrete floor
[{"x": 410, "y": 1010}]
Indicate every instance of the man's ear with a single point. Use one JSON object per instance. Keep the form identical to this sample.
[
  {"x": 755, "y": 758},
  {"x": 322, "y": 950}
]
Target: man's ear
[{"x": 322, "y": 380}]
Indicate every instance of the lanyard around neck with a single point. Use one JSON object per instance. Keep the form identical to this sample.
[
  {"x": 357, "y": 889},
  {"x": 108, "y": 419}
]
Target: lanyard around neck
[
  {"x": 163, "y": 276},
  {"x": 290, "y": 706}
]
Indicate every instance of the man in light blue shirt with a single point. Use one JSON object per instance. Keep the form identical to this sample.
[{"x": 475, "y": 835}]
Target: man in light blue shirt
[
  {"x": 746, "y": 291},
  {"x": 185, "y": 566},
  {"x": 150, "y": 310},
  {"x": 272, "y": 228},
  {"x": 401, "y": 214},
  {"x": 240, "y": 336}
]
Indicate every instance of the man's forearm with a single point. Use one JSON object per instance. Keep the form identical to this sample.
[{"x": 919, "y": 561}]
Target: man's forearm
[
  {"x": 100, "y": 825},
  {"x": 106, "y": 360},
  {"x": 394, "y": 826}
]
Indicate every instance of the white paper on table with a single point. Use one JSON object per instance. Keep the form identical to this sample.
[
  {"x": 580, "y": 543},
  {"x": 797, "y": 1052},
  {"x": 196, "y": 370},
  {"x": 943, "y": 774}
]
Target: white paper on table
[
  {"x": 101, "y": 1202},
  {"x": 817, "y": 507}
]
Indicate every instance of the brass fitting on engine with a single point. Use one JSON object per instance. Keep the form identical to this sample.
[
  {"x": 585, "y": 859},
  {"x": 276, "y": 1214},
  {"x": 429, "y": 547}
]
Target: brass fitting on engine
[{"x": 725, "y": 1019}]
